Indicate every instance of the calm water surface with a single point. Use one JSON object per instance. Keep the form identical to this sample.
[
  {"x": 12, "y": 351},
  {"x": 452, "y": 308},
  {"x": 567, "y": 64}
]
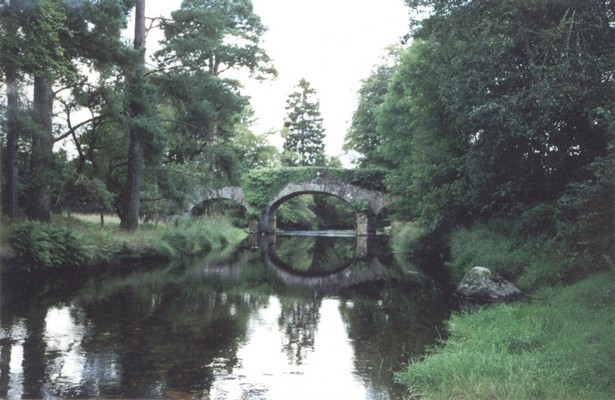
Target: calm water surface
[{"x": 287, "y": 318}]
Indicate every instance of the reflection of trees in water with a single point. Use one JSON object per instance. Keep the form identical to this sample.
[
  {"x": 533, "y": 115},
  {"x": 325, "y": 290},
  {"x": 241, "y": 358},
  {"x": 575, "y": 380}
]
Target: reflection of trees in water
[
  {"x": 298, "y": 323},
  {"x": 297, "y": 252},
  {"x": 334, "y": 252},
  {"x": 315, "y": 254},
  {"x": 34, "y": 354},
  {"x": 169, "y": 339},
  {"x": 144, "y": 337},
  {"x": 388, "y": 324}
]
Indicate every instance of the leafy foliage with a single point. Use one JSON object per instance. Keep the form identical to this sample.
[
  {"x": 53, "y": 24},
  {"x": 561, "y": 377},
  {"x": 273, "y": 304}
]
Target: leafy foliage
[
  {"x": 215, "y": 35},
  {"x": 43, "y": 245},
  {"x": 71, "y": 242},
  {"x": 498, "y": 106},
  {"x": 88, "y": 195},
  {"x": 363, "y": 137}
]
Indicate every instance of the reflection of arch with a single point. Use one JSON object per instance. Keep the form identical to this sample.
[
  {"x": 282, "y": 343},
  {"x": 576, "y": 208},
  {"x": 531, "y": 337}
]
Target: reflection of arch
[
  {"x": 344, "y": 276},
  {"x": 281, "y": 264}
]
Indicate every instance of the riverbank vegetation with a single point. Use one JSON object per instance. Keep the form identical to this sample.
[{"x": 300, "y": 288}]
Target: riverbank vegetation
[
  {"x": 554, "y": 343},
  {"x": 79, "y": 241},
  {"x": 558, "y": 345},
  {"x": 498, "y": 124}
]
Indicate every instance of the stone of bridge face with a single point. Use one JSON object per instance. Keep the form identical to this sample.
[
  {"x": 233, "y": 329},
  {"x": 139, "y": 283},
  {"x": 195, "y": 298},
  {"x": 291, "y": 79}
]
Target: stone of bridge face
[{"x": 347, "y": 192}]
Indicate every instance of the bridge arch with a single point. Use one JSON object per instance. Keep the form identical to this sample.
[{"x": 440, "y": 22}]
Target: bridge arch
[
  {"x": 234, "y": 193},
  {"x": 366, "y": 203}
]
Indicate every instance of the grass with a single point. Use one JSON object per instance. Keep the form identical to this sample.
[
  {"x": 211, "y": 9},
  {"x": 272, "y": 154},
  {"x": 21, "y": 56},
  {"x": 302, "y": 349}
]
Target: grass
[
  {"x": 558, "y": 346},
  {"x": 529, "y": 262},
  {"x": 482, "y": 246},
  {"x": 79, "y": 240}
]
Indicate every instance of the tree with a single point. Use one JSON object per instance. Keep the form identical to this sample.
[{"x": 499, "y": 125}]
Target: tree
[
  {"x": 56, "y": 41},
  {"x": 499, "y": 105},
  {"x": 215, "y": 36},
  {"x": 205, "y": 110},
  {"x": 363, "y": 136},
  {"x": 254, "y": 150},
  {"x": 10, "y": 51},
  {"x": 304, "y": 133},
  {"x": 48, "y": 22},
  {"x": 139, "y": 107}
]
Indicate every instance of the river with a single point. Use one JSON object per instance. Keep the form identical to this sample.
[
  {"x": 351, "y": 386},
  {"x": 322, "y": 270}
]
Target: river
[{"x": 289, "y": 317}]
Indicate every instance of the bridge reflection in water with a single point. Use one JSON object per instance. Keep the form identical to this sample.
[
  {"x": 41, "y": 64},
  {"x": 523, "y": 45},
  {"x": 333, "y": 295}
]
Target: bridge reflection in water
[
  {"x": 319, "y": 263},
  {"x": 322, "y": 263}
]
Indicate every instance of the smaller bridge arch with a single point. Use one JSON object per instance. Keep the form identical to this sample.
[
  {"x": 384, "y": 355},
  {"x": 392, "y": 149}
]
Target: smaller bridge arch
[{"x": 234, "y": 193}]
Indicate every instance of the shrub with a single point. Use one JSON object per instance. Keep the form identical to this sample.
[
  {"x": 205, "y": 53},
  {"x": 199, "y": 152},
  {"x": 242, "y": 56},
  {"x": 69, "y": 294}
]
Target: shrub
[
  {"x": 49, "y": 245},
  {"x": 406, "y": 237}
]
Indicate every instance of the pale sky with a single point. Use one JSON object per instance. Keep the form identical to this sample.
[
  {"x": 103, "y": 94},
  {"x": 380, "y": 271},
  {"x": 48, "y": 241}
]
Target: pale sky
[{"x": 334, "y": 44}]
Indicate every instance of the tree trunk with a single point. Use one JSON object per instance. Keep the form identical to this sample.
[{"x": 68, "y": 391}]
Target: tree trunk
[
  {"x": 11, "y": 206},
  {"x": 130, "y": 210},
  {"x": 39, "y": 199}
]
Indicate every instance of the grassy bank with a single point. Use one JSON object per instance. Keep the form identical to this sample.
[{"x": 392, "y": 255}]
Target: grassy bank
[
  {"x": 80, "y": 241},
  {"x": 555, "y": 344}
]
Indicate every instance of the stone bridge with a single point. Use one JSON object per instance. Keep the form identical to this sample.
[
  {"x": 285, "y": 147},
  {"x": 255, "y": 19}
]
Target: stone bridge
[{"x": 366, "y": 203}]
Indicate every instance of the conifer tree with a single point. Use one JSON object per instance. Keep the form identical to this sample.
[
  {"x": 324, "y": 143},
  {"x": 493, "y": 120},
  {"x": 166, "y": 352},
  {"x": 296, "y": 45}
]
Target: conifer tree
[{"x": 304, "y": 132}]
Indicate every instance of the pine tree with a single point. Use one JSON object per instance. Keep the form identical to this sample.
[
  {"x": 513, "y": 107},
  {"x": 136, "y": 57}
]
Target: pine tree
[{"x": 304, "y": 132}]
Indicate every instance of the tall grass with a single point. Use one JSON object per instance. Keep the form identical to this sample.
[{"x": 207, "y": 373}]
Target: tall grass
[
  {"x": 558, "y": 347},
  {"x": 483, "y": 246},
  {"x": 529, "y": 262},
  {"x": 80, "y": 241}
]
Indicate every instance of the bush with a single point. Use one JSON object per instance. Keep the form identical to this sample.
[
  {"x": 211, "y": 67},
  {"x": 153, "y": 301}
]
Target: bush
[
  {"x": 49, "y": 245},
  {"x": 406, "y": 237}
]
